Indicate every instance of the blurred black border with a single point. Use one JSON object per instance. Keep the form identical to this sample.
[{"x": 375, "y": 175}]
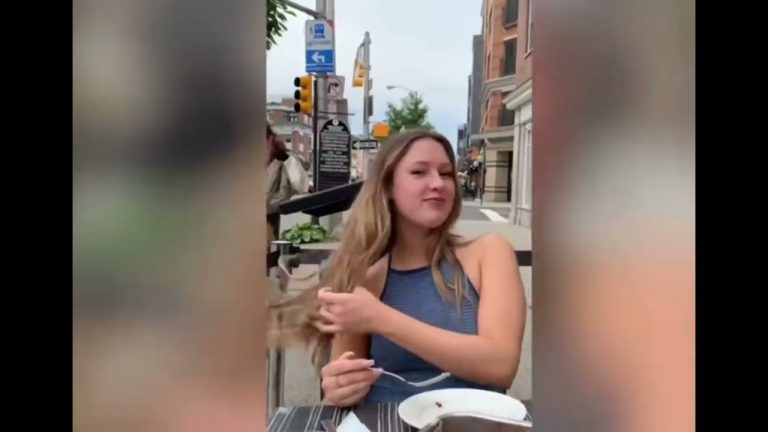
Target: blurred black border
[
  {"x": 44, "y": 208},
  {"x": 721, "y": 215},
  {"x": 704, "y": 189},
  {"x": 39, "y": 161}
]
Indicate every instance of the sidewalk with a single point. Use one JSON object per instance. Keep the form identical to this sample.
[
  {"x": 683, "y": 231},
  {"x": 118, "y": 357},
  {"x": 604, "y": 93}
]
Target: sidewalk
[
  {"x": 486, "y": 204},
  {"x": 519, "y": 236}
]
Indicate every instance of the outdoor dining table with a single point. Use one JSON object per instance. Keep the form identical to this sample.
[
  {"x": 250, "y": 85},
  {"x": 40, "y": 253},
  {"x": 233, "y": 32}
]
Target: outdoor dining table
[{"x": 377, "y": 417}]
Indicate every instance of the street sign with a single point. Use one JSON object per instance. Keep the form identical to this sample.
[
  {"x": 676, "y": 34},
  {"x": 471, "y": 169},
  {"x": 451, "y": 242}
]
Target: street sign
[
  {"x": 366, "y": 144},
  {"x": 319, "y": 57},
  {"x": 320, "y": 61},
  {"x": 335, "y": 87},
  {"x": 335, "y": 155},
  {"x": 319, "y": 34}
]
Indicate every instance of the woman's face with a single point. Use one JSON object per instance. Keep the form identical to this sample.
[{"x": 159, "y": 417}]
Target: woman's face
[{"x": 423, "y": 186}]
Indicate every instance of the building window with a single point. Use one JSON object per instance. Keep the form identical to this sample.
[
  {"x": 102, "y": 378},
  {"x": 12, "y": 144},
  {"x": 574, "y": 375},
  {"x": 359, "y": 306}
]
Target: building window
[
  {"x": 527, "y": 192},
  {"x": 511, "y": 12},
  {"x": 510, "y": 57},
  {"x": 529, "y": 37},
  {"x": 507, "y": 116},
  {"x": 293, "y": 118}
]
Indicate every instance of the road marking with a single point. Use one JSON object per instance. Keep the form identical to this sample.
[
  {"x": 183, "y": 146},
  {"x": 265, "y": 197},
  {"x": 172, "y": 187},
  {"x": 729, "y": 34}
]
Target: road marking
[{"x": 493, "y": 216}]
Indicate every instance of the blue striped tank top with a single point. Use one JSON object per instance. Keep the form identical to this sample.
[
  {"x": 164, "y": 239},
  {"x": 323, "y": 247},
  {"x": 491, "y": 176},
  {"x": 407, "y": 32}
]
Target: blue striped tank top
[{"x": 414, "y": 292}]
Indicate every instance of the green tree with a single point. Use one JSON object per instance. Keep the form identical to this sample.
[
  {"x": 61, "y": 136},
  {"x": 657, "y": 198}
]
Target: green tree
[
  {"x": 277, "y": 16},
  {"x": 411, "y": 114}
]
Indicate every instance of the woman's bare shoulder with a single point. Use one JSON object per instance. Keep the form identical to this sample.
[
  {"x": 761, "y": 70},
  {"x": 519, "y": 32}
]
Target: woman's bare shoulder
[
  {"x": 472, "y": 252},
  {"x": 482, "y": 245},
  {"x": 376, "y": 275}
]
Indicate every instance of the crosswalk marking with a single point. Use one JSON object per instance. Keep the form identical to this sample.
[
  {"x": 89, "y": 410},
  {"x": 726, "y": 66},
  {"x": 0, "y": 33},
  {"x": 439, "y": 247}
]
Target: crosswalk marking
[{"x": 493, "y": 216}]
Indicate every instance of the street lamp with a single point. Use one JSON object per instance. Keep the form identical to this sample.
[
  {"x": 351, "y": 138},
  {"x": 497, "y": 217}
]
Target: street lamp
[{"x": 392, "y": 87}]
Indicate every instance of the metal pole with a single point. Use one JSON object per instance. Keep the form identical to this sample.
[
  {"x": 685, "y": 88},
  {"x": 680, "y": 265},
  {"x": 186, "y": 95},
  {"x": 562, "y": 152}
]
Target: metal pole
[
  {"x": 366, "y": 85},
  {"x": 315, "y": 144},
  {"x": 485, "y": 162},
  {"x": 366, "y": 97},
  {"x": 315, "y": 136},
  {"x": 308, "y": 11},
  {"x": 276, "y": 357},
  {"x": 321, "y": 89}
]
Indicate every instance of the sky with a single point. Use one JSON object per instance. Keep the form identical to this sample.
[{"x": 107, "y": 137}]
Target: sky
[{"x": 423, "y": 45}]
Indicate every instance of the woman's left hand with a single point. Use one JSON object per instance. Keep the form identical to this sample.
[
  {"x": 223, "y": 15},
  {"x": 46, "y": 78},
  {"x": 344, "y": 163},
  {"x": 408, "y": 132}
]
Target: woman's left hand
[{"x": 355, "y": 312}]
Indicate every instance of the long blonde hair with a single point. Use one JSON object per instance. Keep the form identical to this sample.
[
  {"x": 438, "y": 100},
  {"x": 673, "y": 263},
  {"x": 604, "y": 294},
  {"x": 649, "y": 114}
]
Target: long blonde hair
[{"x": 367, "y": 236}]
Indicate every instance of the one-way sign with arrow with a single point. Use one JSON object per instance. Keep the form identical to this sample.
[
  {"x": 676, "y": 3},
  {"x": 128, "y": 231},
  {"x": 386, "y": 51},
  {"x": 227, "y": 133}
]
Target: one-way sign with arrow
[
  {"x": 321, "y": 61},
  {"x": 366, "y": 144}
]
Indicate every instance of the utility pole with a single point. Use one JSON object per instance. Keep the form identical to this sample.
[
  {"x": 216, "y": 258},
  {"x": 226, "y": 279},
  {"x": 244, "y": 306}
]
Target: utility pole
[
  {"x": 365, "y": 49},
  {"x": 367, "y": 85},
  {"x": 326, "y": 9},
  {"x": 314, "y": 14}
]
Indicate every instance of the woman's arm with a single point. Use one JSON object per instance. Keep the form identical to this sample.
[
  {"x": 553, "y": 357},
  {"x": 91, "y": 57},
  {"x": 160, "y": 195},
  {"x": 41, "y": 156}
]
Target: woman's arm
[
  {"x": 354, "y": 342},
  {"x": 492, "y": 356},
  {"x": 359, "y": 343}
]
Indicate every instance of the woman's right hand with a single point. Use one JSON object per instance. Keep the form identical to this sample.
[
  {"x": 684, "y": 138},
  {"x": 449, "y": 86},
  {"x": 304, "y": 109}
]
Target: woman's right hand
[{"x": 346, "y": 380}]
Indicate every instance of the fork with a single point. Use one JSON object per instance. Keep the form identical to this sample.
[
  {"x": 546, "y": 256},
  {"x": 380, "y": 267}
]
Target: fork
[
  {"x": 329, "y": 426},
  {"x": 424, "y": 383}
]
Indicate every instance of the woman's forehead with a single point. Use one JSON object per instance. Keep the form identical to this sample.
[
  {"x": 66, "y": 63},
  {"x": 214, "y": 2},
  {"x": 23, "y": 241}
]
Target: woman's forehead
[{"x": 426, "y": 150}]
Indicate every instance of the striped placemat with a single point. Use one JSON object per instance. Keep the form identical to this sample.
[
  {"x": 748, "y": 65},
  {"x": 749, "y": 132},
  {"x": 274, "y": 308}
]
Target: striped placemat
[{"x": 378, "y": 418}]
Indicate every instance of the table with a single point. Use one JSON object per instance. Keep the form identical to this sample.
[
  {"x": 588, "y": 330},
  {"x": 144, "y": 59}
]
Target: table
[{"x": 377, "y": 417}]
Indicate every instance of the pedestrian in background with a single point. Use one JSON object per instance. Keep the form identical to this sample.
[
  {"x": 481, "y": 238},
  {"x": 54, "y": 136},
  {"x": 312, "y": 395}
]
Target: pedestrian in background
[{"x": 286, "y": 178}]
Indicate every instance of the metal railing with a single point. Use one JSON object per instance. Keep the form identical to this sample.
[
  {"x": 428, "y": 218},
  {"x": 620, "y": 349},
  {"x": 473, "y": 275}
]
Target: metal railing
[{"x": 276, "y": 356}]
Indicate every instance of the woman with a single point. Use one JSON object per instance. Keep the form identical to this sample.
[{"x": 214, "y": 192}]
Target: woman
[
  {"x": 283, "y": 181},
  {"x": 404, "y": 294}
]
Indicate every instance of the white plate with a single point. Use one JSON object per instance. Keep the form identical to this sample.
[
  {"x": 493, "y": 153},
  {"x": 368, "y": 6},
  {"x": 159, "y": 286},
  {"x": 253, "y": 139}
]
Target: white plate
[{"x": 418, "y": 410}]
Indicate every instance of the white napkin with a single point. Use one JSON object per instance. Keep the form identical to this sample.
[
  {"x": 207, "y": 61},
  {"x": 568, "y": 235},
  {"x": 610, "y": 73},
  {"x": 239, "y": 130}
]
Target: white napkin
[{"x": 352, "y": 424}]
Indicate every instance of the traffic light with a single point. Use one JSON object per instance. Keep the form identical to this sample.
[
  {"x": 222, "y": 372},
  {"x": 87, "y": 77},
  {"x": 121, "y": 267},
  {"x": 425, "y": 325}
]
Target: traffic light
[
  {"x": 303, "y": 94},
  {"x": 359, "y": 78},
  {"x": 381, "y": 130}
]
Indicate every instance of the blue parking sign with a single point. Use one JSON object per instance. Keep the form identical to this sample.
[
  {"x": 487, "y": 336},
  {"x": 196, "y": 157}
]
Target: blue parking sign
[
  {"x": 319, "y": 47},
  {"x": 319, "y": 30}
]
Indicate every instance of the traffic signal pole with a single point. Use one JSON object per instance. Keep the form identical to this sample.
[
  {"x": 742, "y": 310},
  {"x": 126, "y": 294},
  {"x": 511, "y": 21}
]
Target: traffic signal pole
[
  {"x": 315, "y": 137},
  {"x": 366, "y": 86},
  {"x": 326, "y": 9},
  {"x": 308, "y": 11}
]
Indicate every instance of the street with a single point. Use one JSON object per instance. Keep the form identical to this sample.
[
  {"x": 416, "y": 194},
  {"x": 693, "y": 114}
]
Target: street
[
  {"x": 470, "y": 211},
  {"x": 493, "y": 211}
]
